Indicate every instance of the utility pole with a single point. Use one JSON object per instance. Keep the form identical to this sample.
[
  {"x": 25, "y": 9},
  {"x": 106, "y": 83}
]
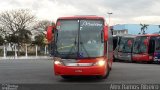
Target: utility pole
[{"x": 109, "y": 14}]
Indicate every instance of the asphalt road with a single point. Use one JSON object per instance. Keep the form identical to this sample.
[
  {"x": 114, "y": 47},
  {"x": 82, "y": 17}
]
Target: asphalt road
[{"x": 41, "y": 72}]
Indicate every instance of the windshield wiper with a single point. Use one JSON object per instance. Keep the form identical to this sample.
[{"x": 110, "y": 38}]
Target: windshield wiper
[
  {"x": 65, "y": 55},
  {"x": 71, "y": 54},
  {"x": 68, "y": 55}
]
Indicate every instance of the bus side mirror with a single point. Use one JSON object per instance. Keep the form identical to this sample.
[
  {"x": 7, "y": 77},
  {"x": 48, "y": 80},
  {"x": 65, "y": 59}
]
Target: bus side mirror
[
  {"x": 50, "y": 33},
  {"x": 146, "y": 42},
  {"x": 105, "y": 33}
]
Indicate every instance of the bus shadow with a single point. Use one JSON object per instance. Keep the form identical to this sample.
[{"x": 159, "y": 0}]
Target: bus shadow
[
  {"x": 138, "y": 62},
  {"x": 143, "y": 62},
  {"x": 123, "y": 61},
  {"x": 82, "y": 79}
]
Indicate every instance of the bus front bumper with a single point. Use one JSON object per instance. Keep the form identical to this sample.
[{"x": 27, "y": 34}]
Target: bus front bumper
[{"x": 79, "y": 70}]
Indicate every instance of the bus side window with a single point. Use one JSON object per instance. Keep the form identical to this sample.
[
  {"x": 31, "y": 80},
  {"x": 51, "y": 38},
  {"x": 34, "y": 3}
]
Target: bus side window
[{"x": 151, "y": 46}]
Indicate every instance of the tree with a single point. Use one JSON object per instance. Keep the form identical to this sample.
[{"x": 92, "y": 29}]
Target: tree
[
  {"x": 39, "y": 31},
  {"x": 144, "y": 27},
  {"x": 1, "y": 40},
  {"x": 17, "y": 25},
  {"x": 41, "y": 26},
  {"x": 39, "y": 40},
  {"x": 2, "y": 32}
]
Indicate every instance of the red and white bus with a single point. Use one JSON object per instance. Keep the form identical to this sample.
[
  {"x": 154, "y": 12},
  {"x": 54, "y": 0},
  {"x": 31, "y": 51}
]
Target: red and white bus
[
  {"x": 146, "y": 48},
  {"x": 83, "y": 46}
]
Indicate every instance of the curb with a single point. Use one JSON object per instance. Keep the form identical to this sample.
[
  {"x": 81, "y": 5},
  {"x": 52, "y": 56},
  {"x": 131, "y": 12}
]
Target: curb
[{"x": 24, "y": 58}]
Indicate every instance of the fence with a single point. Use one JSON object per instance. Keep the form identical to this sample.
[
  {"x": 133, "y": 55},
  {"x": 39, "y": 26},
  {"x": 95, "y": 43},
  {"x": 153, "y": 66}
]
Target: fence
[{"x": 30, "y": 50}]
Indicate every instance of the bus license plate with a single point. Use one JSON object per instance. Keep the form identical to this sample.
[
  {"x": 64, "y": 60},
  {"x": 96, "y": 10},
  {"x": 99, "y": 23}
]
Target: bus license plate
[{"x": 78, "y": 70}]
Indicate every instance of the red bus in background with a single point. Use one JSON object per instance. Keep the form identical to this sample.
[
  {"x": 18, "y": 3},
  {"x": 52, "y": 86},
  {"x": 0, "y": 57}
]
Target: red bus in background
[
  {"x": 82, "y": 46},
  {"x": 146, "y": 48}
]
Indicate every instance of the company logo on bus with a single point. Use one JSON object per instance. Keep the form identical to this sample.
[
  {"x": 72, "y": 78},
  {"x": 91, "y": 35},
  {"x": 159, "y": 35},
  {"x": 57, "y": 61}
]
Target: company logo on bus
[{"x": 86, "y": 23}]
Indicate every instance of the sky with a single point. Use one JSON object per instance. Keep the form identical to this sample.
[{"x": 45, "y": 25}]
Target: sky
[{"x": 124, "y": 11}]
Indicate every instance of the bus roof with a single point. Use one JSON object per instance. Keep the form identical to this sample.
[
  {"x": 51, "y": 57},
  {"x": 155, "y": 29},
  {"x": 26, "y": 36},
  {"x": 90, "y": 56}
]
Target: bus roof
[
  {"x": 124, "y": 35},
  {"x": 83, "y": 17},
  {"x": 149, "y": 35}
]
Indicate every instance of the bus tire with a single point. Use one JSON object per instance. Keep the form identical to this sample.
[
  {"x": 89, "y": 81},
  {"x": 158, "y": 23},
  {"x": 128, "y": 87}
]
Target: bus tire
[
  {"x": 66, "y": 77},
  {"x": 149, "y": 62},
  {"x": 133, "y": 61},
  {"x": 106, "y": 73}
]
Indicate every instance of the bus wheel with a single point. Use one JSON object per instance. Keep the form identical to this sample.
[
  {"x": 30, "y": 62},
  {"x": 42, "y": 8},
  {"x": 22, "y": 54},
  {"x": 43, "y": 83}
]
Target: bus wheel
[
  {"x": 133, "y": 61},
  {"x": 66, "y": 77},
  {"x": 150, "y": 62},
  {"x": 106, "y": 73}
]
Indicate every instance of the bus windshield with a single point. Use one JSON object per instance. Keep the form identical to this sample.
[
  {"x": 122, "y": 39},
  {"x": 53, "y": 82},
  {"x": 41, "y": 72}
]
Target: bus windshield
[
  {"x": 124, "y": 47},
  {"x": 79, "y": 38},
  {"x": 139, "y": 46},
  {"x": 121, "y": 44},
  {"x": 66, "y": 38}
]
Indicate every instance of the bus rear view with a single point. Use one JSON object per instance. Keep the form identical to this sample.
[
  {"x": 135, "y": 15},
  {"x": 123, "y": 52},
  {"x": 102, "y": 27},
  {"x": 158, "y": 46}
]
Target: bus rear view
[{"x": 81, "y": 47}]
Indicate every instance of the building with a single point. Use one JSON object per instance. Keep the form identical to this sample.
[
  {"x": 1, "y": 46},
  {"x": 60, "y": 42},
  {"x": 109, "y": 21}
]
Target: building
[
  {"x": 117, "y": 32},
  {"x": 133, "y": 29}
]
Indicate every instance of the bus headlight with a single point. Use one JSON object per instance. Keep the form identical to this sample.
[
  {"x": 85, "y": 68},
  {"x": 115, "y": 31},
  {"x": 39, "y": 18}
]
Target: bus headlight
[
  {"x": 99, "y": 63},
  {"x": 57, "y": 62}
]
